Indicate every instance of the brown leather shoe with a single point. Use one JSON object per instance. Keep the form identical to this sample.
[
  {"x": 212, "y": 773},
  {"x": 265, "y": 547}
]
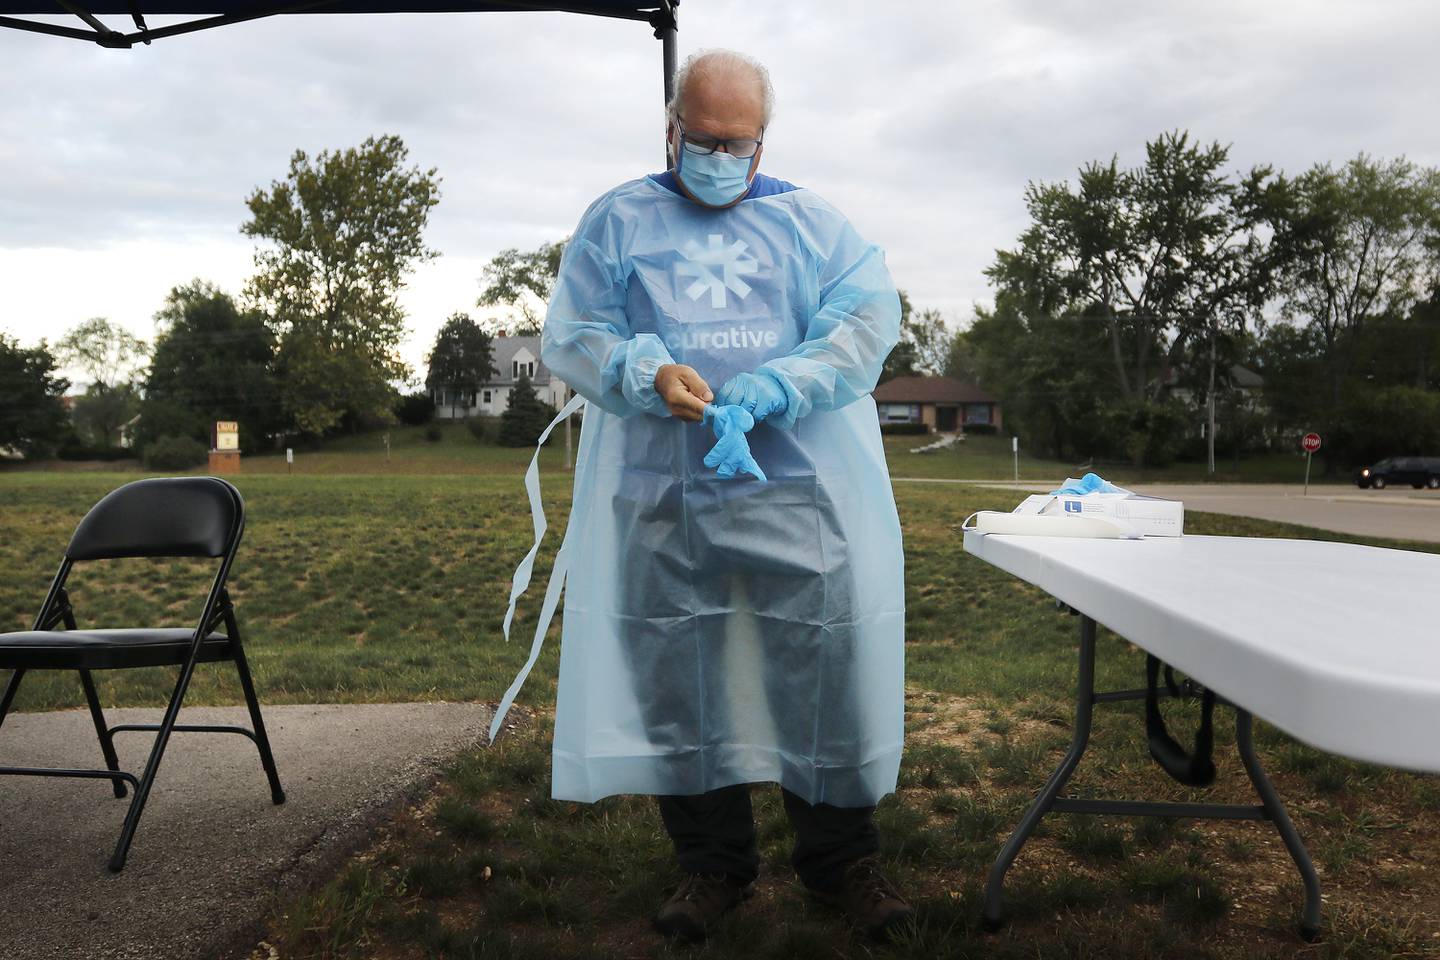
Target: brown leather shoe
[
  {"x": 869, "y": 899},
  {"x": 702, "y": 899}
]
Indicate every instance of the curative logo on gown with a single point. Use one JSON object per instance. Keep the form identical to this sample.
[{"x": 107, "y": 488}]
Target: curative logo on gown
[{"x": 716, "y": 268}]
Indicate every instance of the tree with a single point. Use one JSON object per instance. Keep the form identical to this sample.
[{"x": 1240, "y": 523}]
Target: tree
[
  {"x": 1235, "y": 252},
  {"x": 521, "y": 281},
  {"x": 526, "y": 416},
  {"x": 924, "y": 345},
  {"x": 901, "y": 361},
  {"x": 1159, "y": 257},
  {"x": 1126, "y": 247},
  {"x": 1290, "y": 356},
  {"x": 107, "y": 352},
  {"x": 932, "y": 341},
  {"x": 343, "y": 230},
  {"x": 110, "y": 355},
  {"x": 1360, "y": 235},
  {"x": 101, "y": 413},
  {"x": 32, "y": 418},
  {"x": 462, "y": 358},
  {"x": 212, "y": 361},
  {"x": 1053, "y": 373},
  {"x": 961, "y": 360}
]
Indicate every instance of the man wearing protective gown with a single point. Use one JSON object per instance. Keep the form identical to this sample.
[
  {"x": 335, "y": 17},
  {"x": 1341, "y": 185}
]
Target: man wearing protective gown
[{"x": 721, "y": 629}]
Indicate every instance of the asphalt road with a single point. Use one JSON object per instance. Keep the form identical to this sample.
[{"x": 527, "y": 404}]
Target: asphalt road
[
  {"x": 212, "y": 854},
  {"x": 1401, "y": 514}
]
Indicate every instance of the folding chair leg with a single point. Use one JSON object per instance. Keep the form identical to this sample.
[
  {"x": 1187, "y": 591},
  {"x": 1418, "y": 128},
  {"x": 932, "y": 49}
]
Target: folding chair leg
[
  {"x": 147, "y": 780},
  {"x": 267, "y": 759},
  {"x": 107, "y": 744},
  {"x": 9, "y": 696}
]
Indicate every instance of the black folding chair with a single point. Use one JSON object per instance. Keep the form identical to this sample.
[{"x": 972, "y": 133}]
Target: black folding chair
[{"x": 163, "y": 517}]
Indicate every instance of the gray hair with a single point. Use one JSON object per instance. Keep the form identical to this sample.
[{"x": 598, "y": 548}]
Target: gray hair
[{"x": 731, "y": 59}]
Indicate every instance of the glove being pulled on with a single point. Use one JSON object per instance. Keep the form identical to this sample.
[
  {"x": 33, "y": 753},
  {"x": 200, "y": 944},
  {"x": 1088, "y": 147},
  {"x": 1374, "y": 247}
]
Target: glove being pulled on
[
  {"x": 731, "y": 453},
  {"x": 757, "y": 393}
]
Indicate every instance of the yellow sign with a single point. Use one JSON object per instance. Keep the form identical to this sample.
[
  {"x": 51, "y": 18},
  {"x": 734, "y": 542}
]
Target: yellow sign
[{"x": 227, "y": 435}]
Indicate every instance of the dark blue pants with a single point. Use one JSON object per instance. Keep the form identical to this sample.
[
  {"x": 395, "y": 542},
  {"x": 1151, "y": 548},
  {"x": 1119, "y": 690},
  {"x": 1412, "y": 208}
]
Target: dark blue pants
[{"x": 715, "y": 833}]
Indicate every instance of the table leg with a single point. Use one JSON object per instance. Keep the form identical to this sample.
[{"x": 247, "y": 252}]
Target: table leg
[
  {"x": 1049, "y": 799},
  {"x": 1084, "y": 704},
  {"x": 1275, "y": 812}
]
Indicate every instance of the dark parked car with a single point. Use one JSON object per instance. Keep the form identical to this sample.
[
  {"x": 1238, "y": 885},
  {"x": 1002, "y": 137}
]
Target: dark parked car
[{"x": 1416, "y": 471}]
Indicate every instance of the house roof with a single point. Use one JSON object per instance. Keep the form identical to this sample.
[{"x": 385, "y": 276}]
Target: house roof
[
  {"x": 1240, "y": 376},
  {"x": 930, "y": 390},
  {"x": 1245, "y": 377},
  {"x": 503, "y": 350}
]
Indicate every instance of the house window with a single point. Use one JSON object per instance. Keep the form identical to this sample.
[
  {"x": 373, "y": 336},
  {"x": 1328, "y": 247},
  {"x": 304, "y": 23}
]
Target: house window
[
  {"x": 517, "y": 368},
  {"x": 487, "y": 396},
  {"x": 899, "y": 412},
  {"x": 977, "y": 413}
]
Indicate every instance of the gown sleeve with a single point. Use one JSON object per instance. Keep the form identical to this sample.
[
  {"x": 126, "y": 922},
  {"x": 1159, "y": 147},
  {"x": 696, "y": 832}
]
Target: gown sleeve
[
  {"x": 586, "y": 340},
  {"x": 853, "y": 331}
]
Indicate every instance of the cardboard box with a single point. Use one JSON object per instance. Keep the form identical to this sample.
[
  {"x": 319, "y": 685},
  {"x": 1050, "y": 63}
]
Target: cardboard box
[{"x": 1151, "y": 516}]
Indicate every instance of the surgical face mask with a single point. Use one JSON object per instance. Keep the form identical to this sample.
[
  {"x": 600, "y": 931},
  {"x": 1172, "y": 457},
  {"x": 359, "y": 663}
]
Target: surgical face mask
[{"x": 715, "y": 179}]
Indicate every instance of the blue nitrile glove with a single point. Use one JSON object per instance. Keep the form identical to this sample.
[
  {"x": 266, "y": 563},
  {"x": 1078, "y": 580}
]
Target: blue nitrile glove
[
  {"x": 1090, "y": 483},
  {"x": 731, "y": 452},
  {"x": 758, "y": 393}
]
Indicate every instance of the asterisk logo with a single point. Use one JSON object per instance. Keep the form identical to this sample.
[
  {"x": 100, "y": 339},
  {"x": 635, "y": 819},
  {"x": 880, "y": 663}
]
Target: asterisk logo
[{"x": 717, "y": 268}]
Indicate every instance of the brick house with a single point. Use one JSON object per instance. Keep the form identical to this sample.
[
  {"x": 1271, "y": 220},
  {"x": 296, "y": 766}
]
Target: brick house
[{"x": 942, "y": 404}]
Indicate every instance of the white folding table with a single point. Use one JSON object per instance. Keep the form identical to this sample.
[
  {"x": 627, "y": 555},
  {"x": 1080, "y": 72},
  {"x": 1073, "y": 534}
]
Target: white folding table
[{"x": 1333, "y": 643}]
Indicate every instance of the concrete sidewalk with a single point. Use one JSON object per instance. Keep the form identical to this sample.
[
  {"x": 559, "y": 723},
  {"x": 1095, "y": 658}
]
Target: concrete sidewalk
[{"x": 212, "y": 854}]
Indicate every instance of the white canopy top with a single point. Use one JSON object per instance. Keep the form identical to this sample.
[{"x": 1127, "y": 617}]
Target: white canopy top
[{"x": 1336, "y": 644}]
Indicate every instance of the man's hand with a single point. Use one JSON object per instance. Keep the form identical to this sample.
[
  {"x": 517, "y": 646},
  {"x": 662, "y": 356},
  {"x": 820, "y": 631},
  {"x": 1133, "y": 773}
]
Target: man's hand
[
  {"x": 683, "y": 390},
  {"x": 759, "y": 394}
]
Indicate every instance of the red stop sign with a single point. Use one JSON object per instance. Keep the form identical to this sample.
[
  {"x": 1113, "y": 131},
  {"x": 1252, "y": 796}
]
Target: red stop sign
[{"x": 1311, "y": 443}]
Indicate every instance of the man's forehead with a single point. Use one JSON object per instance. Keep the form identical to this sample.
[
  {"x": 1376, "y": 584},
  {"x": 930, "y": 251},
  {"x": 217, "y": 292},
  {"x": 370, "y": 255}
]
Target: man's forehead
[{"x": 728, "y": 98}]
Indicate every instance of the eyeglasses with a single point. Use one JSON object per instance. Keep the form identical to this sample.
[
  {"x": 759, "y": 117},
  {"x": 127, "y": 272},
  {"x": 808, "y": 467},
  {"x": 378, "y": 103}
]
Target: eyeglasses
[{"x": 701, "y": 145}]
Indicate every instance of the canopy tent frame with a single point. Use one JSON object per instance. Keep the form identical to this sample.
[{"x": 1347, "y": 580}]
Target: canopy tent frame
[{"x": 660, "y": 15}]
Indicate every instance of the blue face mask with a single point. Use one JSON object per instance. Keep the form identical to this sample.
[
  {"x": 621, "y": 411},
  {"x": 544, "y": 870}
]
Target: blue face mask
[{"x": 715, "y": 179}]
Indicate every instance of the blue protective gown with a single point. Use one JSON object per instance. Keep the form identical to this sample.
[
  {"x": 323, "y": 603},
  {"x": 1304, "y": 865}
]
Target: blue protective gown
[{"x": 720, "y": 631}]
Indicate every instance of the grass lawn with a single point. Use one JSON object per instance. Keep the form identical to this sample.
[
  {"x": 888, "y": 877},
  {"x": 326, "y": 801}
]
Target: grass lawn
[
  {"x": 392, "y": 587},
  {"x": 979, "y": 458}
]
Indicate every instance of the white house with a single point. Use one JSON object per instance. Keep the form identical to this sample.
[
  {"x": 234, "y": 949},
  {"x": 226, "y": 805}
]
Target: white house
[{"x": 512, "y": 356}]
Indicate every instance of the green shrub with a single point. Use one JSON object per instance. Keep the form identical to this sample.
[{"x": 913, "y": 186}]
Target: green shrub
[
  {"x": 415, "y": 409},
  {"x": 903, "y": 429},
  {"x": 478, "y": 429},
  {"x": 526, "y": 416},
  {"x": 174, "y": 453},
  {"x": 981, "y": 429},
  {"x": 1152, "y": 432},
  {"x": 433, "y": 434}
]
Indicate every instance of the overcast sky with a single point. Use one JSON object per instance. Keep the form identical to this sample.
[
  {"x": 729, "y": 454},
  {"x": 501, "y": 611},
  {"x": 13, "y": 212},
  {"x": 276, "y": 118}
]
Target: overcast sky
[{"x": 123, "y": 173}]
